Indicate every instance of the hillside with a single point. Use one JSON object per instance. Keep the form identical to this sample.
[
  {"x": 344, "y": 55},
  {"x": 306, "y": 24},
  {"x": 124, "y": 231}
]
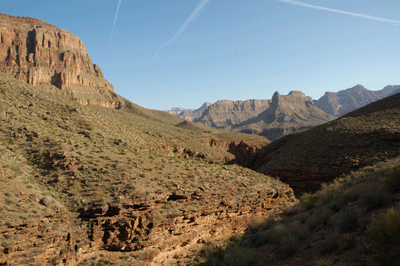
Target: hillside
[
  {"x": 92, "y": 184},
  {"x": 322, "y": 153}
]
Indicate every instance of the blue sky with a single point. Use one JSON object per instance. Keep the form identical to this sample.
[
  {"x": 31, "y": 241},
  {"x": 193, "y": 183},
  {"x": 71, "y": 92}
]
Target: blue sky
[{"x": 176, "y": 53}]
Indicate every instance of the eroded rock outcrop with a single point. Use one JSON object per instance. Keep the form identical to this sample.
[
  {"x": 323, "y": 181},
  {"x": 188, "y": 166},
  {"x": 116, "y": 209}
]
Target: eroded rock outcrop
[
  {"x": 38, "y": 53},
  {"x": 175, "y": 226}
]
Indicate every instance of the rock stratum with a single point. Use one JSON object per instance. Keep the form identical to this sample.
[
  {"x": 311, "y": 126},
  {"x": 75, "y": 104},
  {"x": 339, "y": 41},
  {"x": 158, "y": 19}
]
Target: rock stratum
[{"x": 38, "y": 53}]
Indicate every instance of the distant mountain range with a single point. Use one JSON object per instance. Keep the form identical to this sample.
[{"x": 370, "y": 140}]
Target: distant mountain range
[{"x": 283, "y": 114}]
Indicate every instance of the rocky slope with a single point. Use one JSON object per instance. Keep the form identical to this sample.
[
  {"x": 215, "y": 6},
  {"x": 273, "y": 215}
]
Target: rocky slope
[
  {"x": 189, "y": 114},
  {"x": 363, "y": 137},
  {"x": 344, "y": 101},
  {"x": 94, "y": 185}
]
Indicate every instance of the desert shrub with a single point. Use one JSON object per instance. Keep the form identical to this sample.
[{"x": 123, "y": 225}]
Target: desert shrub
[
  {"x": 376, "y": 198},
  {"x": 328, "y": 245},
  {"x": 308, "y": 200},
  {"x": 258, "y": 223},
  {"x": 231, "y": 255},
  {"x": 329, "y": 192},
  {"x": 279, "y": 231},
  {"x": 347, "y": 220},
  {"x": 291, "y": 211},
  {"x": 391, "y": 179},
  {"x": 288, "y": 245},
  {"x": 347, "y": 241},
  {"x": 350, "y": 195},
  {"x": 319, "y": 218},
  {"x": 384, "y": 235},
  {"x": 258, "y": 238}
]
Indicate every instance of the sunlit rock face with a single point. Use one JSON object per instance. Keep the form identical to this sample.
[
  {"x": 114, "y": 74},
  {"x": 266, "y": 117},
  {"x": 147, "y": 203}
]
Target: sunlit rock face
[{"x": 38, "y": 53}]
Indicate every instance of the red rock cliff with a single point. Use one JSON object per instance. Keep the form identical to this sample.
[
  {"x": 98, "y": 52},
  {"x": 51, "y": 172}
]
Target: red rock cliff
[{"x": 42, "y": 54}]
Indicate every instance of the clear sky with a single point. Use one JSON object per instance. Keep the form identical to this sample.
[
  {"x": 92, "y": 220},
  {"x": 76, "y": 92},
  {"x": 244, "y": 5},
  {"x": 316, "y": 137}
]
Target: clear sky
[{"x": 181, "y": 53}]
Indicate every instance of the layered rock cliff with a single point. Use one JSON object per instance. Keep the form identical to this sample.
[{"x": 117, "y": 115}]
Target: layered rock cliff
[
  {"x": 287, "y": 113},
  {"x": 38, "y": 53},
  {"x": 189, "y": 114},
  {"x": 344, "y": 101},
  {"x": 281, "y": 115},
  {"x": 225, "y": 114}
]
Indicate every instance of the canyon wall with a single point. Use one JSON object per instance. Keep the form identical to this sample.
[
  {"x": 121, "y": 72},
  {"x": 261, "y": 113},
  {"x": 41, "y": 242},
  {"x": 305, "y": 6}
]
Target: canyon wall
[{"x": 38, "y": 53}]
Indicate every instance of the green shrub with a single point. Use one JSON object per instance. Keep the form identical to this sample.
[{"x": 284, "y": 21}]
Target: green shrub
[{"x": 384, "y": 235}]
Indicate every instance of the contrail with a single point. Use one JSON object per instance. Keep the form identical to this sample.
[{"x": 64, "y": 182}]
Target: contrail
[
  {"x": 115, "y": 19},
  {"x": 396, "y": 22},
  {"x": 192, "y": 16}
]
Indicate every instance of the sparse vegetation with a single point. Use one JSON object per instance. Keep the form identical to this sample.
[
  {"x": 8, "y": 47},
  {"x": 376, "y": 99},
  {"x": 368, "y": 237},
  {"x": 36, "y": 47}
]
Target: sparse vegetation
[
  {"x": 335, "y": 220},
  {"x": 384, "y": 235}
]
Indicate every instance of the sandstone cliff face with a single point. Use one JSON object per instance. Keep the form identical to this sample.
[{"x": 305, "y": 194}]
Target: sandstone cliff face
[
  {"x": 42, "y": 54},
  {"x": 345, "y": 101},
  {"x": 225, "y": 114}
]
